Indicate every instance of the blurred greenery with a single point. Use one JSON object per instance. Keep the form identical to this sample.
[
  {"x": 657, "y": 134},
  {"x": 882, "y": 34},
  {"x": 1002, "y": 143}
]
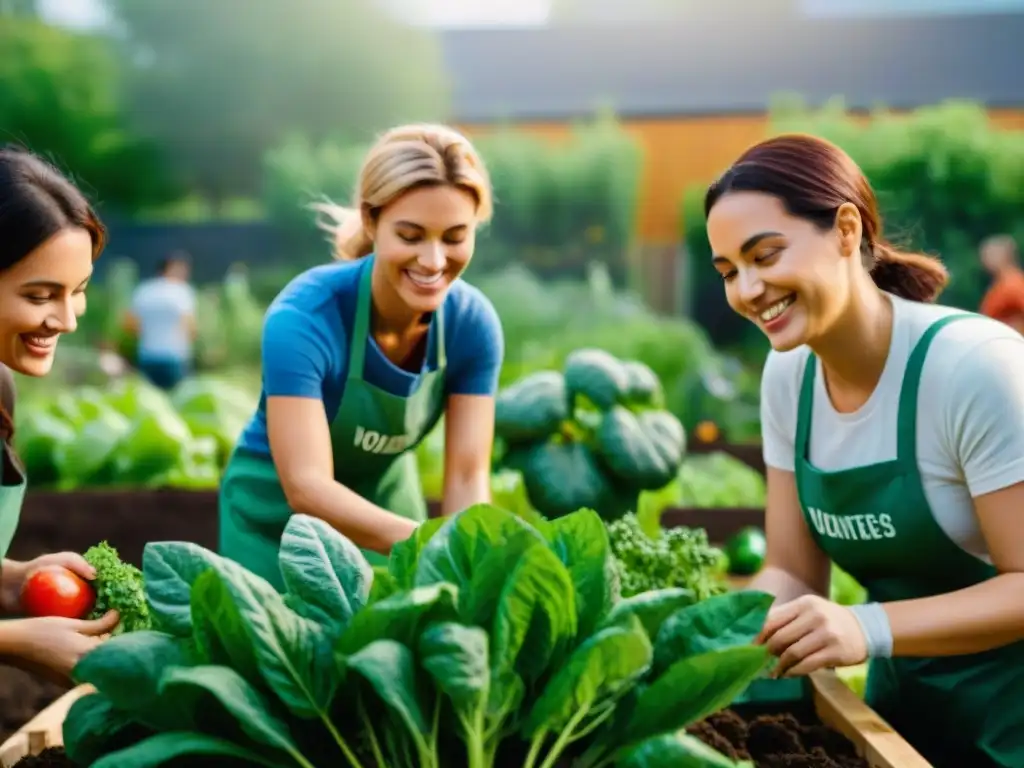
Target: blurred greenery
[
  {"x": 562, "y": 206},
  {"x": 62, "y": 95}
]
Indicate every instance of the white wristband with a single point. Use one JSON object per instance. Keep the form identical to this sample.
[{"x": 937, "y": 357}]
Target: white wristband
[{"x": 874, "y": 622}]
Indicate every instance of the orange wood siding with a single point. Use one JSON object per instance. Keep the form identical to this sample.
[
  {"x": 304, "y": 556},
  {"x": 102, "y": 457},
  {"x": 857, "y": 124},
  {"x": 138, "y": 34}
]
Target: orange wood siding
[{"x": 683, "y": 151}]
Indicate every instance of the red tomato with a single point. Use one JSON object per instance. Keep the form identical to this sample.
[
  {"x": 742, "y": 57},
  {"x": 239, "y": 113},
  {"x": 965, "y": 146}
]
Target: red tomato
[{"x": 53, "y": 590}]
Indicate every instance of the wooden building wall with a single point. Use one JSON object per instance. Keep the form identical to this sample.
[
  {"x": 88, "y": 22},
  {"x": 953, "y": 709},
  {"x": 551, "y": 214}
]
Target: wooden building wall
[{"x": 682, "y": 151}]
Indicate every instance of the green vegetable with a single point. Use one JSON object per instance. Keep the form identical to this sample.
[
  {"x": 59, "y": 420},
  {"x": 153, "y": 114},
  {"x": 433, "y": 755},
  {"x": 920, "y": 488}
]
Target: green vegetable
[
  {"x": 642, "y": 450},
  {"x": 119, "y": 587},
  {"x": 844, "y": 589},
  {"x": 595, "y": 436},
  {"x": 489, "y": 642},
  {"x": 132, "y": 434},
  {"x": 746, "y": 551},
  {"x": 644, "y": 388},
  {"x": 678, "y": 557},
  {"x": 532, "y": 408},
  {"x": 855, "y": 677},
  {"x": 562, "y": 477},
  {"x": 719, "y": 480},
  {"x": 597, "y": 376}
]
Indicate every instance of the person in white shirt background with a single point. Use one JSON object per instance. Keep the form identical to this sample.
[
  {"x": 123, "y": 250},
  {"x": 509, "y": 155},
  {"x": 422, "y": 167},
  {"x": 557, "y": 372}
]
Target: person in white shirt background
[{"x": 162, "y": 315}]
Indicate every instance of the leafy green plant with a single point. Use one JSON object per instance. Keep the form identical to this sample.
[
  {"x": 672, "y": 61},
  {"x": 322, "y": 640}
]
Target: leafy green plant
[
  {"x": 676, "y": 557},
  {"x": 119, "y": 586},
  {"x": 485, "y": 642},
  {"x": 595, "y": 434}
]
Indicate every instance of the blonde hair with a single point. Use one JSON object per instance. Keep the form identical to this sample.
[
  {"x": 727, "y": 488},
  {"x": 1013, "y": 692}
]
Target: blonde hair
[{"x": 403, "y": 159}]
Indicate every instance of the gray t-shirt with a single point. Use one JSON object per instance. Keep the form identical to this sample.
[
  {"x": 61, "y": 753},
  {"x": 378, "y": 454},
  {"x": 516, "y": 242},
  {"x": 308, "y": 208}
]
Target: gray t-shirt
[{"x": 970, "y": 426}]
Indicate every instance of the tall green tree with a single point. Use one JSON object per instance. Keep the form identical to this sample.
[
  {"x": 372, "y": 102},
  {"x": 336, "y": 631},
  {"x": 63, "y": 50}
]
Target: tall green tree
[
  {"x": 222, "y": 81},
  {"x": 61, "y": 96}
]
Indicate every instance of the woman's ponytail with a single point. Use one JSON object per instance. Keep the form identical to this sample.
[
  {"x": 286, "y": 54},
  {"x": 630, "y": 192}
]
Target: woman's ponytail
[
  {"x": 348, "y": 235},
  {"x": 912, "y": 276}
]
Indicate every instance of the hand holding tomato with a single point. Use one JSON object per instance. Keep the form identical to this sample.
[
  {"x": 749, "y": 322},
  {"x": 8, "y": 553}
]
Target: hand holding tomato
[{"x": 58, "y": 586}]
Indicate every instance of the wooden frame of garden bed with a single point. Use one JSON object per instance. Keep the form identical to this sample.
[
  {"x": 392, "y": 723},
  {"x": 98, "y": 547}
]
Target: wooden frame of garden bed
[{"x": 836, "y": 705}]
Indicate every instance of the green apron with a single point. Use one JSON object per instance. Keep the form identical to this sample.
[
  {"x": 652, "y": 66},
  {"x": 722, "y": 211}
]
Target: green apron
[
  {"x": 374, "y": 436},
  {"x": 11, "y": 497},
  {"x": 12, "y": 474},
  {"x": 874, "y": 522}
]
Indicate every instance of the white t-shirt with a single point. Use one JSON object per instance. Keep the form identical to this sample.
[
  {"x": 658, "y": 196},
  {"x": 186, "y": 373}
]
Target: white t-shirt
[
  {"x": 161, "y": 306},
  {"x": 970, "y": 423}
]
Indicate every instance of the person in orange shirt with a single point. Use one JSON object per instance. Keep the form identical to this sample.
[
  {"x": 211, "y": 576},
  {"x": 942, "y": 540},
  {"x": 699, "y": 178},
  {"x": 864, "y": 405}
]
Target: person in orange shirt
[{"x": 1004, "y": 300}]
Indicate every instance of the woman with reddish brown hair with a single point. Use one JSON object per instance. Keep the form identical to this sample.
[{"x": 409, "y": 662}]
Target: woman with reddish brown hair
[
  {"x": 49, "y": 238},
  {"x": 893, "y": 433}
]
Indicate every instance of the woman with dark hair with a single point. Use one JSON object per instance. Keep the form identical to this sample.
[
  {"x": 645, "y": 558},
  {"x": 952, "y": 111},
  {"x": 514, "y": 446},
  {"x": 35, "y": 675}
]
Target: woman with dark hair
[
  {"x": 893, "y": 433},
  {"x": 49, "y": 238}
]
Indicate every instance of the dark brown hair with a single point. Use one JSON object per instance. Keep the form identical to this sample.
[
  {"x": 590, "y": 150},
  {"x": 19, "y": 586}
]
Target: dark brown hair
[
  {"x": 813, "y": 178},
  {"x": 37, "y": 202}
]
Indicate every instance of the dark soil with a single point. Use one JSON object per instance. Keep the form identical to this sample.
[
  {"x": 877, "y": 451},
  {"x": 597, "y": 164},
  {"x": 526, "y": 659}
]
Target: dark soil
[
  {"x": 52, "y": 522},
  {"x": 52, "y": 756},
  {"x": 778, "y": 741}
]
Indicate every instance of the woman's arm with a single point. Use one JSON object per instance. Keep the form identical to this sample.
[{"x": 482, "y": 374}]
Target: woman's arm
[
  {"x": 468, "y": 442},
  {"x": 300, "y": 442},
  {"x": 476, "y": 347},
  {"x": 979, "y": 618},
  {"x": 794, "y": 565},
  {"x": 980, "y": 418},
  {"x": 297, "y": 355}
]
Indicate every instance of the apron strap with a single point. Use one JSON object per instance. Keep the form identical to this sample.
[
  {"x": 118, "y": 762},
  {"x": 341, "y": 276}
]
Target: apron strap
[
  {"x": 439, "y": 341},
  {"x": 361, "y": 323},
  {"x": 804, "y": 410},
  {"x": 906, "y": 420},
  {"x": 361, "y": 327},
  {"x": 6, "y": 401}
]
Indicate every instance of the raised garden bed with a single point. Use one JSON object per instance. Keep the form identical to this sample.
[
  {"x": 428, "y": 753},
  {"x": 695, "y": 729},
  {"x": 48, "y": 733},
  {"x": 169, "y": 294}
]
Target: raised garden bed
[{"x": 794, "y": 737}]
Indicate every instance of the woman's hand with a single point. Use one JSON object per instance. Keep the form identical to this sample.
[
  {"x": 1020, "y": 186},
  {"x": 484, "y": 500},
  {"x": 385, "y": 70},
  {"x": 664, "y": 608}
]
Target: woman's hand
[
  {"x": 812, "y": 633},
  {"x": 51, "y": 646},
  {"x": 14, "y": 573}
]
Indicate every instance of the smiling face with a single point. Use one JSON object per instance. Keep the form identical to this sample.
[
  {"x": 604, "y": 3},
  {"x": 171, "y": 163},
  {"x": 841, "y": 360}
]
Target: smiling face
[
  {"x": 41, "y": 297},
  {"x": 783, "y": 272},
  {"x": 423, "y": 241}
]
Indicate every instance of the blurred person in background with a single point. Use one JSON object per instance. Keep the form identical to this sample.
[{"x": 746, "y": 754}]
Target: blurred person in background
[
  {"x": 893, "y": 433},
  {"x": 1004, "y": 300},
  {"x": 163, "y": 317},
  {"x": 363, "y": 357},
  {"x": 49, "y": 239}
]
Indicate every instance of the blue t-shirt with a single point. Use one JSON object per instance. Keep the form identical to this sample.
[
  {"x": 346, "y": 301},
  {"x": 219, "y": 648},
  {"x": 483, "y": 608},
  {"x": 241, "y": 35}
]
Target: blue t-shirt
[{"x": 306, "y": 337}]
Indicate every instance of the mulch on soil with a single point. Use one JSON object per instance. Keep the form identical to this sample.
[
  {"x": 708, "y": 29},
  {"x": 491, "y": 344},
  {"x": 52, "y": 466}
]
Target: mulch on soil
[{"x": 777, "y": 741}]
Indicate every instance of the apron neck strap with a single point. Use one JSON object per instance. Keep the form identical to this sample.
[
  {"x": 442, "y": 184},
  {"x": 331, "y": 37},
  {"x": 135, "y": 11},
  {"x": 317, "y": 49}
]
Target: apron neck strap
[
  {"x": 361, "y": 326},
  {"x": 805, "y": 408},
  {"x": 438, "y": 330},
  {"x": 906, "y": 420}
]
